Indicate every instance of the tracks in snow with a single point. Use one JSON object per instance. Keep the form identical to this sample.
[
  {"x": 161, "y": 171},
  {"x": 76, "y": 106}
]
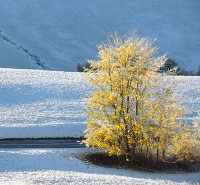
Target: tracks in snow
[{"x": 26, "y": 51}]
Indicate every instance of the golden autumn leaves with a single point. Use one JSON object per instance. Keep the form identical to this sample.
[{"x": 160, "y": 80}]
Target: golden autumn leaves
[{"x": 130, "y": 113}]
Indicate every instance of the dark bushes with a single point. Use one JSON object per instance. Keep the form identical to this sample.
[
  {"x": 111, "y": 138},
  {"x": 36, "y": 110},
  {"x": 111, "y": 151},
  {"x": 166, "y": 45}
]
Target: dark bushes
[{"x": 171, "y": 68}]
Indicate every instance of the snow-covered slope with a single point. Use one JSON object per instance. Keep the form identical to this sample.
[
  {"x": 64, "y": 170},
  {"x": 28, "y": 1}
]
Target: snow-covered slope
[
  {"x": 11, "y": 56},
  {"x": 60, "y": 166},
  {"x": 41, "y": 103},
  {"x": 59, "y": 34},
  {"x": 50, "y": 103}
]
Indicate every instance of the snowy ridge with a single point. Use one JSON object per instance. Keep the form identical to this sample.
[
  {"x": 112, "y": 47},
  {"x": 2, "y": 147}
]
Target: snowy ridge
[
  {"x": 63, "y": 33},
  {"x": 36, "y": 103}
]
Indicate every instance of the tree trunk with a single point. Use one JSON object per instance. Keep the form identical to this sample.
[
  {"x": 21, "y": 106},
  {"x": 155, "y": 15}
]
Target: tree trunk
[
  {"x": 157, "y": 154},
  {"x": 163, "y": 155},
  {"x": 147, "y": 152}
]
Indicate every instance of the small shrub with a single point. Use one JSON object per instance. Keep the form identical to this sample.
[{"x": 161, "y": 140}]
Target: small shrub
[
  {"x": 82, "y": 68},
  {"x": 170, "y": 67},
  {"x": 198, "y": 72}
]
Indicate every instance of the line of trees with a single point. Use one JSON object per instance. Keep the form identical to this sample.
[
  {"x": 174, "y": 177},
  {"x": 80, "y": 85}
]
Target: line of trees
[{"x": 130, "y": 113}]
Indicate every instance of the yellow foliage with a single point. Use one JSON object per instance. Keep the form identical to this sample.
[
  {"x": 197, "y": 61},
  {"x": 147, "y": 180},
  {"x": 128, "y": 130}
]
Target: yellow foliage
[{"x": 130, "y": 111}]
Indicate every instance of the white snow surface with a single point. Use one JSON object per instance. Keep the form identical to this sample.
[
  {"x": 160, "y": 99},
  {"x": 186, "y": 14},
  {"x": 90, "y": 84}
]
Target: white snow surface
[
  {"x": 59, "y": 34},
  {"x": 42, "y": 103},
  {"x": 61, "y": 166},
  {"x": 39, "y": 103}
]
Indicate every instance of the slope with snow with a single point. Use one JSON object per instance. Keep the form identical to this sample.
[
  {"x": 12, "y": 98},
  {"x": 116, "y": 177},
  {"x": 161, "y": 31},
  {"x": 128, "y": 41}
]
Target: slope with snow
[
  {"x": 61, "y": 166},
  {"x": 38, "y": 103},
  {"x": 63, "y": 33},
  {"x": 41, "y": 103},
  {"x": 10, "y": 56}
]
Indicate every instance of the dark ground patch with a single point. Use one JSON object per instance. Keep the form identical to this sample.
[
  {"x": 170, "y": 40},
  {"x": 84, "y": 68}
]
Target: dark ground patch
[{"x": 140, "y": 163}]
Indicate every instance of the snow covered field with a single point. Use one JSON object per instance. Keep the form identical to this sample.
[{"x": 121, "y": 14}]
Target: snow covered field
[
  {"x": 60, "y": 166},
  {"x": 41, "y": 103},
  {"x": 59, "y": 34},
  {"x": 35, "y": 103}
]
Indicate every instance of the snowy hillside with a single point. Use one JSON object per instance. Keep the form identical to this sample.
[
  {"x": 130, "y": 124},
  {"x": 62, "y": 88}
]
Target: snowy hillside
[
  {"x": 50, "y": 104},
  {"x": 41, "y": 103},
  {"x": 51, "y": 34},
  {"x": 60, "y": 166}
]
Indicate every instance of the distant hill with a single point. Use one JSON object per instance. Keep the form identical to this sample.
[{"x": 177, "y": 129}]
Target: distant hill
[{"x": 57, "y": 35}]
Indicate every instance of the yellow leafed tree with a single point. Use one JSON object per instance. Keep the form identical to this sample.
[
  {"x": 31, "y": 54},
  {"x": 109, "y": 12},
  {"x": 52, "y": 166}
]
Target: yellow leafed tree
[{"x": 128, "y": 113}]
